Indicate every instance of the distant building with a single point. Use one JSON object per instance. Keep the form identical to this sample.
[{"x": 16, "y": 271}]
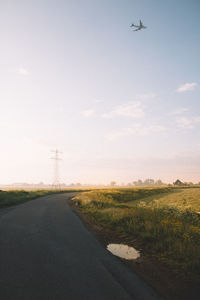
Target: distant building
[{"x": 178, "y": 182}]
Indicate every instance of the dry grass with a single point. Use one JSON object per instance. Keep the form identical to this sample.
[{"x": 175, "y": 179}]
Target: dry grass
[
  {"x": 170, "y": 231},
  {"x": 183, "y": 199}
]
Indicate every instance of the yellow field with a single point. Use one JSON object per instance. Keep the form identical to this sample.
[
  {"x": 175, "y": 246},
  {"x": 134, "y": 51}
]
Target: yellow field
[
  {"x": 162, "y": 220},
  {"x": 182, "y": 199}
]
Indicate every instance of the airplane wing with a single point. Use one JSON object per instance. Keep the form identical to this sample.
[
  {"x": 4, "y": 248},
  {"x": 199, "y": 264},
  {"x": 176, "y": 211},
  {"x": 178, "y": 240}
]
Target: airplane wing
[
  {"x": 132, "y": 25},
  {"x": 137, "y": 29}
]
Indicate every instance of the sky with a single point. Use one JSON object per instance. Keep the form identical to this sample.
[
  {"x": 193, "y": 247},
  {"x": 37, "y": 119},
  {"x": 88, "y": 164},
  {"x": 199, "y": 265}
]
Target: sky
[{"x": 119, "y": 105}]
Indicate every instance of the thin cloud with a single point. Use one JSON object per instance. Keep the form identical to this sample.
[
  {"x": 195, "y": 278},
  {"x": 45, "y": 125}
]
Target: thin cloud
[
  {"x": 23, "y": 71},
  {"x": 137, "y": 130},
  {"x": 179, "y": 111},
  {"x": 187, "y": 123},
  {"x": 196, "y": 119},
  {"x": 88, "y": 113},
  {"x": 187, "y": 87},
  {"x": 147, "y": 96},
  {"x": 98, "y": 100},
  {"x": 132, "y": 109}
]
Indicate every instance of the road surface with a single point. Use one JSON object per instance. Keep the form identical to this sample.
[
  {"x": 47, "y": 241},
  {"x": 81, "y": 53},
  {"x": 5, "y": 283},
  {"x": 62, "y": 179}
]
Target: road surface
[{"x": 46, "y": 253}]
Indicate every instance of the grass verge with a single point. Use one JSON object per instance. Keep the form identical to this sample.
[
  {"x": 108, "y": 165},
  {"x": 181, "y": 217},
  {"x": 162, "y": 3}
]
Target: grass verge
[
  {"x": 167, "y": 234},
  {"x": 9, "y": 198}
]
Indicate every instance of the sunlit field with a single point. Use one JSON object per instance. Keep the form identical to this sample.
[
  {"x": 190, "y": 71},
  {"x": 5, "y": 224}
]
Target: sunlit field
[
  {"x": 182, "y": 199},
  {"x": 163, "y": 221}
]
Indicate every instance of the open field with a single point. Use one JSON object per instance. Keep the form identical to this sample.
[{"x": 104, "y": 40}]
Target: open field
[
  {"x": 182, "y": 199},
  {"x": 163, "y": 221}
]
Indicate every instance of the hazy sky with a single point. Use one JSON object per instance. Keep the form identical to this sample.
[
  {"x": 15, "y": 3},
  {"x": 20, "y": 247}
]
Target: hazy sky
[{"x": 121, "y": 105}]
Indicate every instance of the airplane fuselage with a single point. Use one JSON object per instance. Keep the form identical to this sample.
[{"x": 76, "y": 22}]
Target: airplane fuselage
[{"x": 138, "y": 27}]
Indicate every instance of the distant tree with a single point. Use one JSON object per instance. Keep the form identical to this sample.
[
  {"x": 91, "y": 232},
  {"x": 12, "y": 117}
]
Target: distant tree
[
  {"x": 149, "y": 182},
  {"x": 138, "y": 182},
  {"x": 159, "y": 182},
  {"x": 113, "y": 183}
]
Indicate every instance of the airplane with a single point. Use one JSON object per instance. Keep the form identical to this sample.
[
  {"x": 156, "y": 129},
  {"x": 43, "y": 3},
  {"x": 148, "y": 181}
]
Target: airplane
[{"x": 139, "y": 27}]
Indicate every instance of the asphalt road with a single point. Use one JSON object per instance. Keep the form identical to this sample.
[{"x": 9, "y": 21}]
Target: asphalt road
[{"x": 46, "y": 253}]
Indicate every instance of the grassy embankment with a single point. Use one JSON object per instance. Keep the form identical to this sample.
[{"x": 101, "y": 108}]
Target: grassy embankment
[
  {"x": 9, "y": 198},
  {"x": 163, "y": 220}
]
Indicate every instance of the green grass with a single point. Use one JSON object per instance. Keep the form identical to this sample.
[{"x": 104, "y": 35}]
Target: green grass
[
  {"x": 9, "y": 198},
  {"x": 106, "y": 197},
  {"x": 170, "y": 231}
]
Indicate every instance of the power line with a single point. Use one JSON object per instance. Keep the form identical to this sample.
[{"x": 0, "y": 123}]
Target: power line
[{"x": 56, "y": 177}]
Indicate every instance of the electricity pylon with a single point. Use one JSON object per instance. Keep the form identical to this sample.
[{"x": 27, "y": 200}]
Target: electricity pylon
[{"x": 56, "y": 158}]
